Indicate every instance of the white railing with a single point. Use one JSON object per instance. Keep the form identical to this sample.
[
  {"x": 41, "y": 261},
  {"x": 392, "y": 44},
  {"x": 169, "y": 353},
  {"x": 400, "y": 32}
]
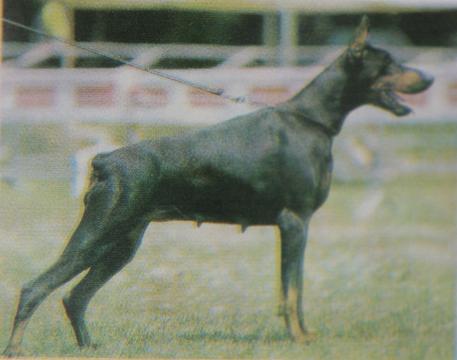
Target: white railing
[
  {"x": 126, "y": 95},
  {"x": 33, "y": 54}
]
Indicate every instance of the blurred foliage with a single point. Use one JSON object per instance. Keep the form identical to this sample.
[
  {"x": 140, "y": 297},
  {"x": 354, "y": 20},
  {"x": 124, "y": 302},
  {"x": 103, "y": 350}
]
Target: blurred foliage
[
  {"x": 27, "y": 139},
  {"x": 433, "y": 28},
  {"x": 166, "y": 26},
  {"x": 23, "y": 11}
]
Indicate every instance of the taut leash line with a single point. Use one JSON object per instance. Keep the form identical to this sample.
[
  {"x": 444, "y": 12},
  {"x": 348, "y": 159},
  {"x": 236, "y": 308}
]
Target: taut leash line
[{"x": 214, "y": 91}]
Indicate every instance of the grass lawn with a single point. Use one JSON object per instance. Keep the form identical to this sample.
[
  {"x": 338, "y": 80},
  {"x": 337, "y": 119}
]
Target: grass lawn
[{"x": 380, "y": 287}]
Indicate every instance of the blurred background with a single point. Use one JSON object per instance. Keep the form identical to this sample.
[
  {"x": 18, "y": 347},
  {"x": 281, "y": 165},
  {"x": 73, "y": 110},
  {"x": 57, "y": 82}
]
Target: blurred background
[
  {"x": 382, "y": 248},
  {"x": 266, "y": 50}
]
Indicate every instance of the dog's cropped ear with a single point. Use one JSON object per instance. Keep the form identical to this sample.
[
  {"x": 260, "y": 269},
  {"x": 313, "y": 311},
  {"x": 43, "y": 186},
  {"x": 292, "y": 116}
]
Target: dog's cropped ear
[{"x": 360, "y": 38}]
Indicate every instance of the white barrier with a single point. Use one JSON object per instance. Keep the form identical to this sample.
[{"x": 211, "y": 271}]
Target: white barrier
[{"x": 126, "y": 95}]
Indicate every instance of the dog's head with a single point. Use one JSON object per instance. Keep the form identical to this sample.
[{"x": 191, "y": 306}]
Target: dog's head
[{"x": 380, "y": 76}]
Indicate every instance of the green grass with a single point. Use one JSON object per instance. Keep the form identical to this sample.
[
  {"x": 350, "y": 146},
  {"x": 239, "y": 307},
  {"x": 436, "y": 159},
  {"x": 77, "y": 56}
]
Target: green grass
[
  {"x": 377, "y": 288},
  {"x": 380, "y": 289}
]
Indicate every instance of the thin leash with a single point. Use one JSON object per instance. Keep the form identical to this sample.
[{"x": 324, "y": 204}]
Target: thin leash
[{"x": 213, "y": 91}]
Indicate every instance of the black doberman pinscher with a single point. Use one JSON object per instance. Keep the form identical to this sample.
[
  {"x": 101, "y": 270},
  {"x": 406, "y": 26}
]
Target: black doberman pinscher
[{"x": 270, "y": 167}]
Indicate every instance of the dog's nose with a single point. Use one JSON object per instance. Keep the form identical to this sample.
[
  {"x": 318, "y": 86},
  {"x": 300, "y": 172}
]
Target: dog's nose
[{"x": 427, "y": 79}]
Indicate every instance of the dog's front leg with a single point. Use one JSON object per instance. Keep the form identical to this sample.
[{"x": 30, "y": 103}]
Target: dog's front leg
[{"x": 293, "y": 230}]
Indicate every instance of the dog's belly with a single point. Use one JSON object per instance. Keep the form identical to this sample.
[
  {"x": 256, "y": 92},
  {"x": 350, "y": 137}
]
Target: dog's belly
[{"x": 221, "y": 201}]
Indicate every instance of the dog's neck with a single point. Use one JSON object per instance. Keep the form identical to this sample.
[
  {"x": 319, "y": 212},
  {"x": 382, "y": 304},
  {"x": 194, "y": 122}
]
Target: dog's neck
[{"x": 327, "y": 99}]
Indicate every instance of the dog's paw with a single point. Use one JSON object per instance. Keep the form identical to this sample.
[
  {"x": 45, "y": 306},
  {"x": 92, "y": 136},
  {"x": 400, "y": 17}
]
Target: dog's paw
[
  {"x": 90, "y": 346},
  {"x": 306, "y": 337},
  {"x": 11, "y": 352}
]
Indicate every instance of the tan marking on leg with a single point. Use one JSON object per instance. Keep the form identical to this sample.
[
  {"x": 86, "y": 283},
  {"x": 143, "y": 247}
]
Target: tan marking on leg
[
  {"x": 292, "y": 307},
  {"x": 294, "y": 320},
  {"x": 14, "y": 345},
  {"x": 278, "y": 281}
]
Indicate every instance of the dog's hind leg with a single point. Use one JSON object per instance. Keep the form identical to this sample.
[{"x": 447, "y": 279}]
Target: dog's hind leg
[
  {"x": 105, "y": 207},
  {"x": 34, "y": 292},
  {"x": 76, "y": 301},
  {"x": 293, "y": 230}
]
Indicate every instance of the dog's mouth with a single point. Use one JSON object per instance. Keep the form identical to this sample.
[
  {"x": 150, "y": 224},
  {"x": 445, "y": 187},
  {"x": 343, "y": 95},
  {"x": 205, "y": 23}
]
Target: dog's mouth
[
  {"x": 408, "y": 81},
  {"x": 392, "y": 101}
]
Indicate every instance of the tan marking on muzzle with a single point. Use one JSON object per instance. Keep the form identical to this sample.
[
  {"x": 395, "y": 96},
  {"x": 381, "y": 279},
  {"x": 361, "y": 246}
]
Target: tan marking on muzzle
[{"x": 407, "y": 81}]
